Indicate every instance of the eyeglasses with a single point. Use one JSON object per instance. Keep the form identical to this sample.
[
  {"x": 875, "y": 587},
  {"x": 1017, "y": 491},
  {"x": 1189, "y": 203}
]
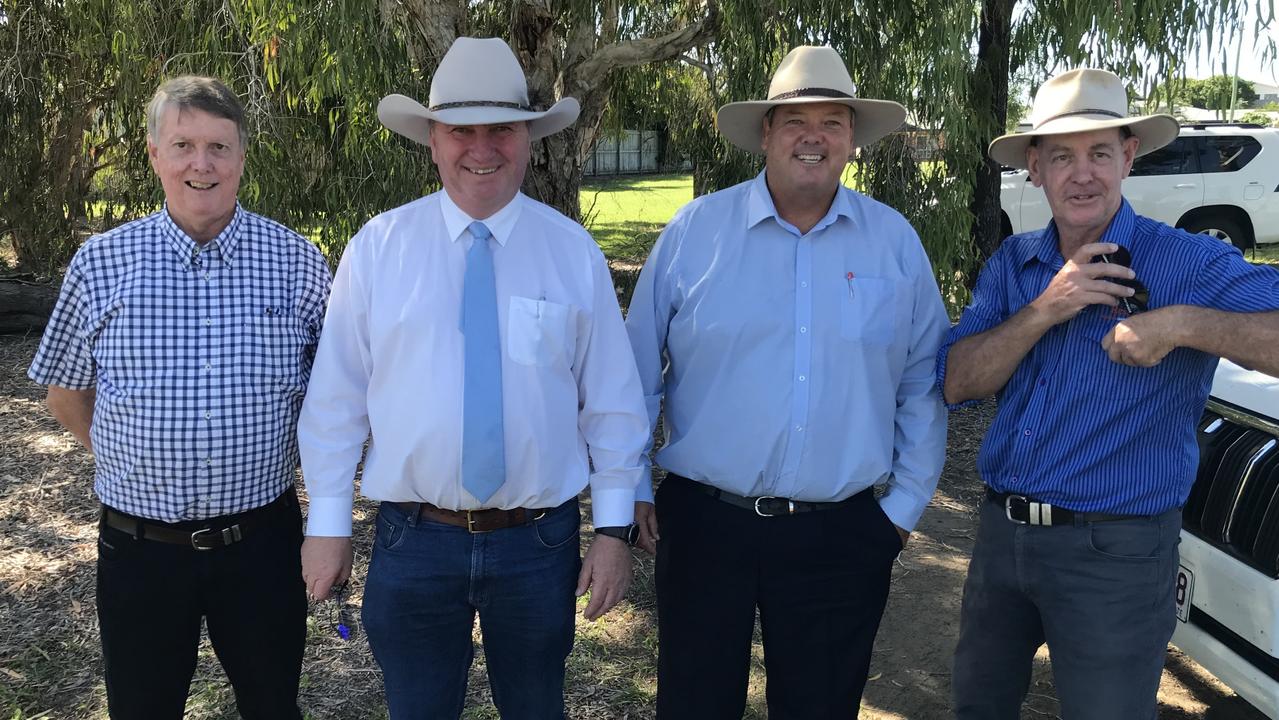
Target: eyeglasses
[{"x": 1140, "y": 300}]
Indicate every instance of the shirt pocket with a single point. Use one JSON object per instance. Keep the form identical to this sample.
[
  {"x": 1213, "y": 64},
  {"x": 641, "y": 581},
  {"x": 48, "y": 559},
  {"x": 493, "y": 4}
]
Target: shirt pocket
[
  {"x": 278, "y": 342},
  {"x": 537, "y": 331},
  {"x": 869, "y": 309}
]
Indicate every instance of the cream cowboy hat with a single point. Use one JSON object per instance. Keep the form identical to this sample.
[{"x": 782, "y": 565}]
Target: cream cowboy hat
[
  {"x": 1083, "y": 100},
  {"x": 809, "y": 74},
  {"x": 478, "y": 82}
]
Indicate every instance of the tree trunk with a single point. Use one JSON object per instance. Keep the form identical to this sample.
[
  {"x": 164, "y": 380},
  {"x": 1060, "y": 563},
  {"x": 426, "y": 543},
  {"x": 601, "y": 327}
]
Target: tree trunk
[
  {"x": 25, "y": 306},
  {"x": 990, "y": 94}
]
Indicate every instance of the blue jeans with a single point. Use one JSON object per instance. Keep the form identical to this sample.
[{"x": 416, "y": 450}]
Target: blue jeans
[
  {"x": 1100, "y": 594},
  {"x": 426, "y": 582}
]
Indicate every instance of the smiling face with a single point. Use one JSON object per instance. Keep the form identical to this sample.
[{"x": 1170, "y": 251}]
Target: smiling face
[
  {"x": 199, "y": 159},
  {"x": 806, "y": 147},
  {"x": 481, "y": 166},
  {"x": 1082, "y": 176}
]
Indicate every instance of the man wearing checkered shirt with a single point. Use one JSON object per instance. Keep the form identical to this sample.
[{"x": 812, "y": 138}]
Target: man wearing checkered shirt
[{"x": 178, "y": 354}]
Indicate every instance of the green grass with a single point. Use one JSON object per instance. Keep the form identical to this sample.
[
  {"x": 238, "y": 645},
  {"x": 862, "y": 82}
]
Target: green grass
[
  {"x": 1267, "y": 254},
  {"x": 626, "y": 214}
]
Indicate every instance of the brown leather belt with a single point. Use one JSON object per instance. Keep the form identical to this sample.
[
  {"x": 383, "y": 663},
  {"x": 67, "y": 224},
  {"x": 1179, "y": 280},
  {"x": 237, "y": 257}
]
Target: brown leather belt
[
  {"x": 202, "y": 535},
  {"x": 476, "y": 521}
]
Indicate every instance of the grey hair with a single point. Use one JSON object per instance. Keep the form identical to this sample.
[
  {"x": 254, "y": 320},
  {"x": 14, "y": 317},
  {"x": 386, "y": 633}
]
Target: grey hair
[{"x": 200, "y": 93}]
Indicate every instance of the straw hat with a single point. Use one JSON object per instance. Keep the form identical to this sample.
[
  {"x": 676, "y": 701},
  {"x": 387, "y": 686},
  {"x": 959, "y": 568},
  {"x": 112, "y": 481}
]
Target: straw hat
[
  {"x": 809, "y": 74},
  {"x": 478, "y": 82},
  {"x": 1083, "y": 100}
]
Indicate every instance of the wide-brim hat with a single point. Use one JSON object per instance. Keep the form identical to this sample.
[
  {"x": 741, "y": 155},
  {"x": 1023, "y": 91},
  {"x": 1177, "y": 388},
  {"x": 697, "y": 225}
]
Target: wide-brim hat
[
  {"x": 478, "y": 82},
  {"x": 809, "y": 74},
  {"x": 1083, "y": 100}
]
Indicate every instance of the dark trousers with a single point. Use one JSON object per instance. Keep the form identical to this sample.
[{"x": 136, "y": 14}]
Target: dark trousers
[
  {"x": 1100, "y": 594},
  {"x": 819, "y": 580},
  {"x": 152, "y": 596}
]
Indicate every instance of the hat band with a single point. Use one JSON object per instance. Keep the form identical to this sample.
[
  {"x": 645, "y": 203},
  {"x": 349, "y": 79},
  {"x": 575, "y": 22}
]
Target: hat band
[
  {"x": 1087, "y": 111},
  {"x": 811, "y": 92},
  {"x": 480, "y": 103}
]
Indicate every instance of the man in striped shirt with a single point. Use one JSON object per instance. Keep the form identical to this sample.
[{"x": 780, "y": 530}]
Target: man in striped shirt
[
  {"x": 178, "y": 354},
  {"x": 1099, "y": 335}
]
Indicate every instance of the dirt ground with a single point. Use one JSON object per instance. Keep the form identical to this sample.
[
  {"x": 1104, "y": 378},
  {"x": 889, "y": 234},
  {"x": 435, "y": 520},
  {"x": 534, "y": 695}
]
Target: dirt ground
[{"x": 50, "y": 666}]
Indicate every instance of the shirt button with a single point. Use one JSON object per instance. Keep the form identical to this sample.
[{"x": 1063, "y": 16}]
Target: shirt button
[
  {"x": 208, "y": 461},
  {"x": 802, "y": 378},
  {"x": 1027, "y": 433},
  {"x": 208, "y": 366},
  {"x": 208, "y": 414},
  {"x": 799, "y": 428},
  {"x": 803, "y": 284},
  {"x": 803, "y": 329},
  {"x": 1014, "y": 478},
  {"x": 208, "y": 321},
  {"x": 206, "y": 276}
]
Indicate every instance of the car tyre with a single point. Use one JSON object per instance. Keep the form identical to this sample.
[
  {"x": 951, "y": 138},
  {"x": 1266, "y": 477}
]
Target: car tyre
[{"x": 1222, "y": 228}]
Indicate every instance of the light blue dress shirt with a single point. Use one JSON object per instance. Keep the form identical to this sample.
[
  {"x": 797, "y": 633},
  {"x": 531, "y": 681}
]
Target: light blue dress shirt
[{"x": 795, "y": 365}]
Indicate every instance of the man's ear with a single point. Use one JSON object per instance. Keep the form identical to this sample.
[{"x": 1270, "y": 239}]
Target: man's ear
[
  {"x": 1032, "y": 165},
  {"x": 1130, "y": 146}
]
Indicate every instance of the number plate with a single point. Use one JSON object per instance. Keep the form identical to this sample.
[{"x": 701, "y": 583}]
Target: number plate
[{"x": 1184, "y": 591}]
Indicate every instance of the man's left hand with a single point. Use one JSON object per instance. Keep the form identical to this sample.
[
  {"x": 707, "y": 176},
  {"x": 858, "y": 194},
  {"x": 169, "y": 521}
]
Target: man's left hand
[
  {"x": 606, "y": 572},
  {"x": 1144, "y": 339},
  {"x": 905, "y": 535}
]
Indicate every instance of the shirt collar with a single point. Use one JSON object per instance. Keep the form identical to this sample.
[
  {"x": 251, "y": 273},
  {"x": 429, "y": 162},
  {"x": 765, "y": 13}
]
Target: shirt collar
[
  {"x": 500, "y": 223},
  {"x": 187, "y": 248},
  {"x": 1048, "y": 250},
  {"x": 760, "y": 207}
]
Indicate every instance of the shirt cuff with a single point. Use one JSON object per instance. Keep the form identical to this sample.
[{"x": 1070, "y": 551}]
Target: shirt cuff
[
  {"x": 612, "y": 507},
  {"x": 902, "y": 509},
  {"x": 329, "y": 517}
]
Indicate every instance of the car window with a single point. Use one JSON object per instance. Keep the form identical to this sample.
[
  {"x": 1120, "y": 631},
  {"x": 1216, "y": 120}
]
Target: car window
[
  {"x": 1228, "y": 153},
  {"x": 1174, "y": 158}
]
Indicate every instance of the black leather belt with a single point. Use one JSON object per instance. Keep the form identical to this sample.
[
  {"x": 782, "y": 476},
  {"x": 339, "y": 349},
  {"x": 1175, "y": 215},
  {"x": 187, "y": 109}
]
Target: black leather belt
[
  {"x": 766, "y": 505},
  {"x": 1028, "y": 511},
  {"x": 205, "y": 535}
]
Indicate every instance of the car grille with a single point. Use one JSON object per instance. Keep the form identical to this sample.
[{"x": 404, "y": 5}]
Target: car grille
[{"x": 1234, "y": 503}]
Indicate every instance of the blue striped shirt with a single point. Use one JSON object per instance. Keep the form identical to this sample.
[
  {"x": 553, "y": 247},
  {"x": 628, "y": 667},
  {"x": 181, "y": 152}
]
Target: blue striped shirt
[
  {"x": 1073, "y": 428},
  {"x": 200, "y": 357}
]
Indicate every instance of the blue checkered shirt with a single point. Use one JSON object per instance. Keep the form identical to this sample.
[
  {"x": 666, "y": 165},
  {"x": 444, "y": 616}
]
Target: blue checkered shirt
[
  {"x": 1077, "y": 430},
  {"x": 200, "y": 356}
]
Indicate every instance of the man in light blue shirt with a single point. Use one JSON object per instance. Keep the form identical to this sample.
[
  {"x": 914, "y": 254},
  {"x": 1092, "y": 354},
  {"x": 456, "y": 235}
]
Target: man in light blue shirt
[{"x": 790, "y": 324}]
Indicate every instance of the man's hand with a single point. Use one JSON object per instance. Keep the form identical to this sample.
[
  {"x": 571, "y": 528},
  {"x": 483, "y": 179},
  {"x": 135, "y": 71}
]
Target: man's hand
[
  {"x": 606, "y": 572},
  {"x": 1081, "y": 283},
  {"x": 326, "y": 564},
  {"x": 646, "y": 519},
  {"x": 1145, "y": 338},
  {"x": 905, "y": 535}
]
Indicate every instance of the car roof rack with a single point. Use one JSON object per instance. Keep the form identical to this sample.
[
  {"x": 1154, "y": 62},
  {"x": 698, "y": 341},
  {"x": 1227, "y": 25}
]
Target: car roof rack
[{"x": 1203, "y": 124}]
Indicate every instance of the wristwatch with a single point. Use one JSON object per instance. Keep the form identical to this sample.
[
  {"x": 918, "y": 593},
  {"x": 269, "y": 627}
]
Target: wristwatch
[{"x": 628, "y": 534}]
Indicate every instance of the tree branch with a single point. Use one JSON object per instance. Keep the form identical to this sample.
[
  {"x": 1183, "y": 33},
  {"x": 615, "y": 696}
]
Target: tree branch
[{"x": 647, "y": 50}]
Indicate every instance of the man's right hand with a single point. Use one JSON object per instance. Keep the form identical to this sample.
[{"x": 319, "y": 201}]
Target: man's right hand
[
  {"x": 1081, "y": 283},
  {"x": 326, "y": 564}
]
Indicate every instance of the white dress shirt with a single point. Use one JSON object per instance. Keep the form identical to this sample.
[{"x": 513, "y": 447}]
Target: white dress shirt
[{"x": 390, "y": 364}]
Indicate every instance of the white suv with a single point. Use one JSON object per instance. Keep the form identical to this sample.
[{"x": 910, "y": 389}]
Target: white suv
[
  {"x": 1228, "y": 585},
  {"x": 1216, "y": 178}
]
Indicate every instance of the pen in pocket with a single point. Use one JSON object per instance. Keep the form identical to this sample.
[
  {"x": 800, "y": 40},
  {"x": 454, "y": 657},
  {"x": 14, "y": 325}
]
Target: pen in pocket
[{"x": 850, "y": 285}]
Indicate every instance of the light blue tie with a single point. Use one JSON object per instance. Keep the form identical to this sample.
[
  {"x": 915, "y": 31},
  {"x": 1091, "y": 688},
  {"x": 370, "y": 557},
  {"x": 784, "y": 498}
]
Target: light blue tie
[{"x": 483, "y": 453}]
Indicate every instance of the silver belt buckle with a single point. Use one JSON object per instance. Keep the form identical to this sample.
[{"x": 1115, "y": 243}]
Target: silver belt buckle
[
  {"x": 229, "y": 535},
  {"x": 790, "y": 506},
  {"x": 1037, "y": 513}
]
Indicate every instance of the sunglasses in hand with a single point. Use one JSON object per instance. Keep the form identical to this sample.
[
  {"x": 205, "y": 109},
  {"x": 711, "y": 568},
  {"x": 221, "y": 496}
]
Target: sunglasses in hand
[{"x": 1140, "y": 299}]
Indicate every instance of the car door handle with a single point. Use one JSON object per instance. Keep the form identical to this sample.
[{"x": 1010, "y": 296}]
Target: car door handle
[{"x": 1184, "y": 185}]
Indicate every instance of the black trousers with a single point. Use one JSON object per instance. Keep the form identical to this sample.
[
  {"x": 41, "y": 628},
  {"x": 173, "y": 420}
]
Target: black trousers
[
  {"x": 152, "y": 596},
  {"x": 819, "y": 579}
]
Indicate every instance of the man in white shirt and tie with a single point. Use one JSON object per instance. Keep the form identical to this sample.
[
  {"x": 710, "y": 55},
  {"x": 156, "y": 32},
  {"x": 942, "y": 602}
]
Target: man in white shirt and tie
[{"x": 474, "y": 338}]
